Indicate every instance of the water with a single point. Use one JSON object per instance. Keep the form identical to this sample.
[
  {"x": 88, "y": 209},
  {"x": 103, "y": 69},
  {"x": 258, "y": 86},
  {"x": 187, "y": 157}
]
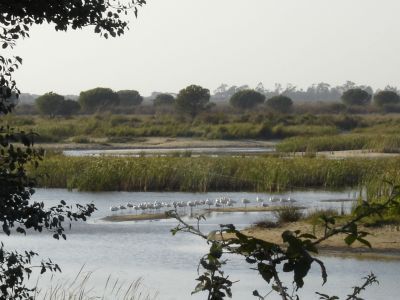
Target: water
[
  {"x": 164, "y": 151},
  {"x": 168, "y": 263}
]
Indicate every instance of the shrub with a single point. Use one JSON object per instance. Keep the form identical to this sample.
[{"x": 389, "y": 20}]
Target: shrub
[{"x": 288, "y": 214}]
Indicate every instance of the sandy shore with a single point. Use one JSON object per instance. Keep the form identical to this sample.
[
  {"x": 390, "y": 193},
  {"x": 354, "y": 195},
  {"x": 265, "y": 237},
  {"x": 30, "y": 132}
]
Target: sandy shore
[
  {"x": 244, "y": 209},
  {"x": 351, "y": 153},
  {"x": 137, "y": 217},
  {"x": 385, "y": 240}
]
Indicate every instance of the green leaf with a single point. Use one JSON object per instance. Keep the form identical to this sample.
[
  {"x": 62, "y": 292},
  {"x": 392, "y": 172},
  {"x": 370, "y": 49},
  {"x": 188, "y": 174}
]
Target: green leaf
[
  {"x": 365, "y": 242},
  {"x": 350, "y": 239}
]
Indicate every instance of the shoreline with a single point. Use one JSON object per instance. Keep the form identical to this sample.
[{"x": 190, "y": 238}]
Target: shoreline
[
  {"x": 136, "y": 217},
  {"x": 155, "y": 143},
  {"x": 385, "y": 241}
]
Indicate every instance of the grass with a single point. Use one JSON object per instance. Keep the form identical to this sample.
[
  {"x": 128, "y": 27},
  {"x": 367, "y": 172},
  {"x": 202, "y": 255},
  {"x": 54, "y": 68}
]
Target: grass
[
  {"x": 377, "y": 143},
  {"x": 202, "y": 174},
  {"x": 208, "y": 126},
  {"x": 82, "y": 288}
]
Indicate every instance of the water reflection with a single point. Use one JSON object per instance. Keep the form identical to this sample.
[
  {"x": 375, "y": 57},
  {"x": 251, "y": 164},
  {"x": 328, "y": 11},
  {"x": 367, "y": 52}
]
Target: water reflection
[{"x": 168, "y": 263}]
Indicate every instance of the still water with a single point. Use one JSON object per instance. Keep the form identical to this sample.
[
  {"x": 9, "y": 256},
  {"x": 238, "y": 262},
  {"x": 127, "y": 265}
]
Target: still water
[
  {"x": 164, "y": 151},
  {"x": 168, "y": 263}
]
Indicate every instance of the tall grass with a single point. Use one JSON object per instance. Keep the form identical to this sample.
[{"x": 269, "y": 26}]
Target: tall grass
[
  {"x": 83, "y": 287},
  {"x": 201, "y": 174},
  {"x": 379, "y": 143},
  {"x": 134, "y": 126}
]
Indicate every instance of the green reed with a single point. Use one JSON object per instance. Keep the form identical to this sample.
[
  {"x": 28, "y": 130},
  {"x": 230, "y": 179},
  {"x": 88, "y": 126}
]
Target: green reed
[{"x": 202, "y": 174}]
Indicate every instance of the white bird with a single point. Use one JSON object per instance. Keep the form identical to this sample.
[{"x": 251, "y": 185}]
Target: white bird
[
  {"x": 259, "y": 200},
  {"x": 273, "y": 199}
]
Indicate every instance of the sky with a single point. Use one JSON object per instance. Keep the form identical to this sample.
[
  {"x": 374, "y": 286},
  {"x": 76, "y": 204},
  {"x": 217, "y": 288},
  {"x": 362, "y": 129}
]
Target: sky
[{"x": 176, "y": 43}]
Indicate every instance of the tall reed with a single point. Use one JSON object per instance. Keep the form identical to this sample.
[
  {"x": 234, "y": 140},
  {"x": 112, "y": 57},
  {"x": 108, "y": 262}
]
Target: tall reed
[{"x": 201, "y": 174}]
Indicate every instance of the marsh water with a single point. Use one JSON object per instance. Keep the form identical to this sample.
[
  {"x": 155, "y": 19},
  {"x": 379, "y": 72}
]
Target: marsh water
[
  {"x": 168, "y": 151},
  {"x": 168, "y": 264}
]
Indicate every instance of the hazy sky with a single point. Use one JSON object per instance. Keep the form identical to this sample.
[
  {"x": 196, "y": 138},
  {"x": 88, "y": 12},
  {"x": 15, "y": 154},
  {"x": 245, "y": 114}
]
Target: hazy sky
[{"x": 175, "y": 43}]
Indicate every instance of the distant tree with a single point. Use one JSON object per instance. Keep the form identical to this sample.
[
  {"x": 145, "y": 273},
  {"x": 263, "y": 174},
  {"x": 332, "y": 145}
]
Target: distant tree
[
  {"x": 97, "y": 99},
  {"x": 69, "y": 107},
  {"x": 164, "y": 99},
  {"x": 280, "y": 103},
  {"x": 49, "y": 103},
  {"x": 193, "y": 100},
  {"x": 384, "y": 98},
  {"x": 247, "y": 99},
  {"x": 356, "y": 96},
  {"x": 129, "y": 98}
]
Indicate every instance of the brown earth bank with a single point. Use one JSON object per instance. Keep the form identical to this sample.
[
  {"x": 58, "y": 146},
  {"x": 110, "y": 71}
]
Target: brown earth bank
[
  {"x": 138, "y": 217},
  {"x": 385, "y": 240}
]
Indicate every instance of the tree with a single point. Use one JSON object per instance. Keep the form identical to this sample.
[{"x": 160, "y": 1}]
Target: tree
[
  {"x": 193, "y": 100},
  {"x": 386, "y": 97},
  {"x": 129, "y": 98},
  {"x": 164, "y": 100},
  {"x": 16, "y": 188},
  {"x": 49, "y": 103},
  {"x": 53, "y": 104},
  {"x": 69, "y": 107},
  {"x": 247, "y": 99},
  {"x": 98, "y": 99},
  {"x": 356, "y": 96},
  {"x": 280, "y": 103}
]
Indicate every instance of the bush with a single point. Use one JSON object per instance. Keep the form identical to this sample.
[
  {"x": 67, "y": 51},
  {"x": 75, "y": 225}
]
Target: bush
[
  {"x": 247, "y": 99},
  {"x": 315, "y": 217},
  {"x": 356, "y": 97},
  {"x": 288, "y": 214},
  {"x": 266, "y": 224},
  {"x": 383, "y": 98},
  {"x": 280, "y": 103}
]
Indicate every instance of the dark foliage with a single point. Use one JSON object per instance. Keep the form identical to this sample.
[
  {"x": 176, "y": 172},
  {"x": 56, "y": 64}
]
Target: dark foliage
[
  {"x": 164, "y": 99},
  {"x": 193, "y": 100},
  {"x": 98, "y": 99},
  {"x": 356, "y": 96},
  {"x": 247, "y": 99},
  {"x": 129, "y": 98},
  {"x": 385, "y": 98},
  {"x": 280, "y": 103}
]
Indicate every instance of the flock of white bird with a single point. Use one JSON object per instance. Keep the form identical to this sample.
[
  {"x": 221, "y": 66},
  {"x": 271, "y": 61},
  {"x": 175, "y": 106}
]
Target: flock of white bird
[{"x": 219, "y": 202}]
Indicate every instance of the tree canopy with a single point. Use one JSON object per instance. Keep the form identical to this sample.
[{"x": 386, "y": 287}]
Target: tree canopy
[
  {"x": 129, "y": 98},
  {"x": 280, "y": 103},
  {"x": 17, "y": 17},
  {"x": 247, "y": 99},
  {"x": 97, "y": 99},
  {"x": 383, "y": 98},
  {"x": 193, "y": 100},
  {"x": 356, "y": 96},
  {"x": 49, "y": 103},
  {"x": 164, "y": 99}
]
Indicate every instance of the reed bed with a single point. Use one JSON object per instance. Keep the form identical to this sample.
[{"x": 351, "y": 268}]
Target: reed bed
[
  {"x": 202, "y": 174},
  {"x": 378, "y": 143}
]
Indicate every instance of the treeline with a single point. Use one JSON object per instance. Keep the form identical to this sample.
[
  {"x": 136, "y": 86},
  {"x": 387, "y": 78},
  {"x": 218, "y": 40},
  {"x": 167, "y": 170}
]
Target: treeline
[{"x": 195, "y": 99}]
